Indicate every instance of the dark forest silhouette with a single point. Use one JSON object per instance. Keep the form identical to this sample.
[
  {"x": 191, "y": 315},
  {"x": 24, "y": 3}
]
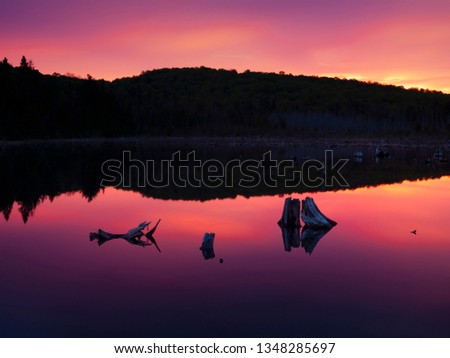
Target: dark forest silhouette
[
  {"x": 36, "y": 172},
  {"x": 204, "y": 101}
]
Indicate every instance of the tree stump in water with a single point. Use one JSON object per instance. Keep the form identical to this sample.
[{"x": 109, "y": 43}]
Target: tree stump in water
[
  {"x": 312, "y": 216},
  {"x": 208, "y": 246},
  {"x": 291, "y": 213},
  {"x": 316, "y": 224},
  {"x": 290, "y": 223}
]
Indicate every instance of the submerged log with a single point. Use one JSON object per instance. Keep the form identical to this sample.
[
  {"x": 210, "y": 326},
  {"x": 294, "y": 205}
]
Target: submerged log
[
  {"x": 312, "y": 216},
  {"x": 133, "y": 236},
  {"x": 137, "y": 231},
  {"x": 208, "y": 246}
]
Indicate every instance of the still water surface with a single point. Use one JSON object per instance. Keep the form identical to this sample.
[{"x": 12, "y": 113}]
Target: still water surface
[{"x": 368, "y": 276}]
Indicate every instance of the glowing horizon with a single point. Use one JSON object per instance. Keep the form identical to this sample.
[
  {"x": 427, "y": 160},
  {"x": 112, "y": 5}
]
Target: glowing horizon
[{"x": 403, "y": 43}]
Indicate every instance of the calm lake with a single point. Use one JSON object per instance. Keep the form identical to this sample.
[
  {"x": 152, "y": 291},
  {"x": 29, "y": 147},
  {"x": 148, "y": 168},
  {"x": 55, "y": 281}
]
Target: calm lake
[{"x": 369, "y": 276}]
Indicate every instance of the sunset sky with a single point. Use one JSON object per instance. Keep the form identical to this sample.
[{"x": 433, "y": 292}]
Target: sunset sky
[{"x": 402, "y": 42}]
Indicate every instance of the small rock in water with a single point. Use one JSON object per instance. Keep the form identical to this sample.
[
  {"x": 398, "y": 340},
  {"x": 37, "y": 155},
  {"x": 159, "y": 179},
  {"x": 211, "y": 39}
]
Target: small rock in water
[{"x": 221, "y": 261}]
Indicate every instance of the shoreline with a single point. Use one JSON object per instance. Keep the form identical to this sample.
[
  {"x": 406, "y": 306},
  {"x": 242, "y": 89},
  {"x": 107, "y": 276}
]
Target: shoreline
[{"x": 238, "y": 141}]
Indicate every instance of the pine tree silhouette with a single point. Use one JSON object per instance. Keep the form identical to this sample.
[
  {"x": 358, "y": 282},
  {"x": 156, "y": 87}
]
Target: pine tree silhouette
[{"x": 23, "y": 62}]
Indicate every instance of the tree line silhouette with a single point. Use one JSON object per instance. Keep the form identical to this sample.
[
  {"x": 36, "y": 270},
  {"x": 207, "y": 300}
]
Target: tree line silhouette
[
  {"x": 35, "y": 172},
  {"x": 204, "y": 101}
]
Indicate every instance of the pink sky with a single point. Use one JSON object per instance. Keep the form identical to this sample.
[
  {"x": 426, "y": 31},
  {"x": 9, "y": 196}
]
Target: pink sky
[{"x": 398, "y": 42}]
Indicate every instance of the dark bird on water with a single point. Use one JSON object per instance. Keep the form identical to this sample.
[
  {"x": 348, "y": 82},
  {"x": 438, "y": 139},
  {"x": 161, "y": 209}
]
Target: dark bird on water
[{"x": 414, "y": 232}]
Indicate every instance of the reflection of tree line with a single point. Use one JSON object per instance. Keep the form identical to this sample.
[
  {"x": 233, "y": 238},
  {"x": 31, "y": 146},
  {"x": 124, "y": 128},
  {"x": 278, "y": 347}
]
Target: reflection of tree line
[{"x": 31, "y": 174}]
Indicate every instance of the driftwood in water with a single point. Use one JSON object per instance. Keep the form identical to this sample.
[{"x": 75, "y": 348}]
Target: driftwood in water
[
  {"x": 150, "y": 237},
  {"x": 133, "y": 236},
  {"x": 291, "y": 213},
  {"x": 312, "y": 217},
  {"x": 208, "y": 246}
]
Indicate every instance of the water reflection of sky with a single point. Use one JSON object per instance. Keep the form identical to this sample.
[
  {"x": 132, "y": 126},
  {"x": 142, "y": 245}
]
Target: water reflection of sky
[{"x": 369, "y": 276}]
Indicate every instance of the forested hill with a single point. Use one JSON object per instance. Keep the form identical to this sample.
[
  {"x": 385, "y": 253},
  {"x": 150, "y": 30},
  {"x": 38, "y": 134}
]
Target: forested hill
[{"x": 203, "y": 101}]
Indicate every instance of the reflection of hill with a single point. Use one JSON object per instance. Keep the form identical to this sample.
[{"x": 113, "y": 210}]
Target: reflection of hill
[{"x": 31, "y": 173}]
